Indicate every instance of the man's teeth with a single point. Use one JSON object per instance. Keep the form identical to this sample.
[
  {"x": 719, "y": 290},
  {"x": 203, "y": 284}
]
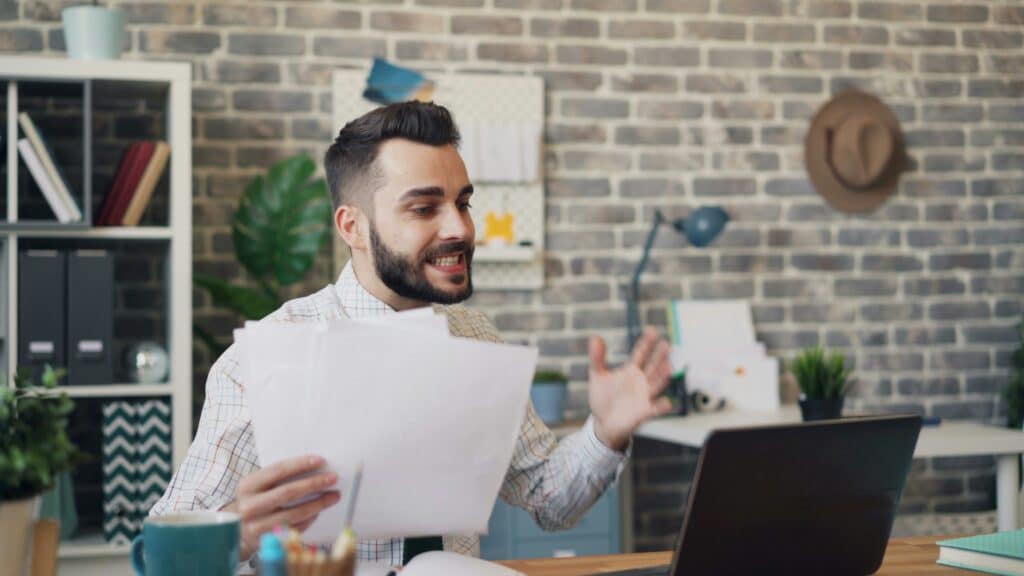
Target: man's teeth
[{"x": 447, "y": 260}]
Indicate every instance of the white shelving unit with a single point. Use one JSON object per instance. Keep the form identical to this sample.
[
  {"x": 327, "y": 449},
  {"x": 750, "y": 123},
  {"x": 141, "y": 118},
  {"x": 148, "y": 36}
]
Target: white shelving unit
[{"x": 90, "y": 554}]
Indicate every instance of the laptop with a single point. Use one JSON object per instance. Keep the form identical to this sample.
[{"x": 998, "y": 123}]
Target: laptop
[{"x": 813, "y": 498}]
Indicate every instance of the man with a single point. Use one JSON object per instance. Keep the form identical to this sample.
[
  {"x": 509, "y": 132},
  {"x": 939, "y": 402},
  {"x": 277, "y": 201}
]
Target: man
[{"x": 401, "y": 202}]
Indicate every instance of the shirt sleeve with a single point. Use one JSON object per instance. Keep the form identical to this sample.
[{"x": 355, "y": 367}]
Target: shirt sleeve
[{"x": 223, "y": 450}]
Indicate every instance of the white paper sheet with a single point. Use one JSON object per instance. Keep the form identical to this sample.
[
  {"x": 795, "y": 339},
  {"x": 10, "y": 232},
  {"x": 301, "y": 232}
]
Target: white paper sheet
[{"x": 432, "y": 419}]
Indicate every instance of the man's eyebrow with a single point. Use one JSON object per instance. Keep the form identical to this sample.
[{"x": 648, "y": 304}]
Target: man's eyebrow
[
  {"x": 467, "y": 190},
  {"x": 413, "y": 193}
]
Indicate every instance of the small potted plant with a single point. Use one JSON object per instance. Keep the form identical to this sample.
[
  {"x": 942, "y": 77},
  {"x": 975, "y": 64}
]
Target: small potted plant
[
  {"x": 34, "y": 449},
  {"x": 823, "y": 381},
  {"x": 548, "y": 395}
]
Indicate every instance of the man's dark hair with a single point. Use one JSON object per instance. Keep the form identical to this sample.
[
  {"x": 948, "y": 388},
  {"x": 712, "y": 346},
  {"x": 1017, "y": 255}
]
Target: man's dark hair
[{"x": 349, "y": 161}]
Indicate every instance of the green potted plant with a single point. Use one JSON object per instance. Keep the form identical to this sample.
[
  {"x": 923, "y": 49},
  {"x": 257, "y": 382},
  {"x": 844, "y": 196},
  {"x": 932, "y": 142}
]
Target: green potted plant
[
  {"x": 548, "y": 395},
  {"x": 1014, "y": 393},
  {"x": 823, "y": 381},
  {"x": 34, "y": 450}
]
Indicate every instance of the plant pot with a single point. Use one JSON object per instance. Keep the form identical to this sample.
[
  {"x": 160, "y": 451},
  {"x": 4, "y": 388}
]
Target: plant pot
[
  {"x": 821, "y": 408},
  {"x": 93, "y": 32},
  {"x": 549, "y": 400},
  {"x": 16, "y": 519}
]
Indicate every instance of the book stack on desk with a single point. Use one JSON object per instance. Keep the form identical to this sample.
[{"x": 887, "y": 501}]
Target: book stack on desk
[{"x": 999, "y": 553}]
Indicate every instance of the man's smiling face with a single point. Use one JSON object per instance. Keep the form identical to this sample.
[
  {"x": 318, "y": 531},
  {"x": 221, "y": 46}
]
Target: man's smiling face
[{"x": 421, "y": 233}]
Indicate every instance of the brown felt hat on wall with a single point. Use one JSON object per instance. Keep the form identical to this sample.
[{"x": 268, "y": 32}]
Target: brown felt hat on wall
[{"x": 854, "y": 152}]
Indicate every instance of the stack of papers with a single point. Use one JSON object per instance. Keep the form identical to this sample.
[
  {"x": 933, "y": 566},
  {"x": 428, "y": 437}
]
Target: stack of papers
[
  {"x": 432, "y": 418},
  {"x": 714, "y": 343}
]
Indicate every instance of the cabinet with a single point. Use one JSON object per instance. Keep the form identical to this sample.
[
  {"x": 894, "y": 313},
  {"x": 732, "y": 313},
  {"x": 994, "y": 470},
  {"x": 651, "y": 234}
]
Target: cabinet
[{"x": 89, "y": 112}]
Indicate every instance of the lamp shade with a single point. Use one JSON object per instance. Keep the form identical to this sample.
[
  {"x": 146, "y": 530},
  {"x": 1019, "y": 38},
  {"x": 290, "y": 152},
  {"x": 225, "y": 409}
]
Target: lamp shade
[{"x": 703, "y": 225}]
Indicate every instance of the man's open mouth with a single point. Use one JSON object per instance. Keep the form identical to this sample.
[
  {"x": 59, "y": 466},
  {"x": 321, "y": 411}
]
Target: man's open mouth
[{"x": 449, "y": 262}]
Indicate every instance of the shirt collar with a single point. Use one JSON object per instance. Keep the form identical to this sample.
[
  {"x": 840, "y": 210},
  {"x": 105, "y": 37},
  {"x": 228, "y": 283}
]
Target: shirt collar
[{"x": 356, "y": 301}]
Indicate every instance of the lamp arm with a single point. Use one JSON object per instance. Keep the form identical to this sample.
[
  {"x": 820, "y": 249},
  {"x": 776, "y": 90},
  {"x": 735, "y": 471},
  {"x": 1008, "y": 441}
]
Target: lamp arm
[{"x": 632, "y": 311}]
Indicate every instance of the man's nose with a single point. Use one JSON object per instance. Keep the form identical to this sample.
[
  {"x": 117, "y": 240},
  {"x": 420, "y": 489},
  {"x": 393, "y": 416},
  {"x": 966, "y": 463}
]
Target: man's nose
[{"x": 456, "y": 225}]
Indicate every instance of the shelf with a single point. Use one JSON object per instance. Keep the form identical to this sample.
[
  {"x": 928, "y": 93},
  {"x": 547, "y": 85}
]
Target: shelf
[
  {"x": 117, "y": 390},
  {"x": 93, "y": 546},
  {"x": 109, "y": 233},
  {"x": 504, "y": 254}
]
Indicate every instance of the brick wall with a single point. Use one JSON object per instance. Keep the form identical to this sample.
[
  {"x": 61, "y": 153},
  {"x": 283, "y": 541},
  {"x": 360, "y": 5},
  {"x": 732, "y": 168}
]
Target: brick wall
[{"x": 671, "y": 104}]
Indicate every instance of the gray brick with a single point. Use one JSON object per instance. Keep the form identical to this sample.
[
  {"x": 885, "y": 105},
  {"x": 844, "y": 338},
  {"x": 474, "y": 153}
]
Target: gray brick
[
  {"x": 238, "y": 71},
  {"x": 959, "y": 311},
  {"x": 578, "y": 188},
  {"x": 744, "y": 110},
  {"x": 721, "y": 289},
  {"x": 605, "y": 5},
  {"x": 937, "y": 237},
  {"x": 898, "y": 62},
  {"x": 594, "y": 55},
  {"x": 798, "y": 237},
  {"x": 322, "y": 17},
  {"x": 714, "y": 30},
  {"x": 451, "y": 3},
  {"x": 1008, "y": 211},
  {"x": 949, "y": 163},
  {"x": 850, "y": 34},
  {"x": 266, "y": 44},
  {"x": 679, "y": 6},
  {"x": 957, "y": 13},
  {"x": 595, "y": 108},
  {"x": 790, "y": 288},
  {"x": 822, "y": 8},
  {"x": 602, "y": 214},
  {"x": 565, "y": 28},
  {"x": 791, "y": 84},
  {"x": 972, "y": 504},
  {"x": 349, "y": 47},
  {"x": 316, "y": 129},
  {"x": 891, "y": 361},
  {"x": 158, "y": 13},
  {"x": 822, "y": 313},
  {"x": 407, "y": 22},
  {"x": 557, "y": 80},
  {"x": 784, "y": 33},
  {"x": 1003, "y": 88},
  {"x": 1000, "y": 138},
  {"x": 785, "y": 187},
  {"x": 959, "y": 360},
  {"x": 644, "y": 83},
  {"x": 811, "y": 59},
  {"x": 997, "y": 236},
  {"x": 739, "y": 58},
  {"x": 509, "y": 52},
  {"x": 938, "y": 386},
  {"x": 932, "y": 487},
  {"x": 889, "y": 11},
  {"x": 1008, "y": 308},
  {"x": 487, "y": 25},
  {"x": 266, "y": 101},
  {"x": 650, "y": 188},
  {"x": 243, "y": 128},
  {"x": 949, "y": 63},
  {"x": 675, "y": 266},
  {"x": 890, "y": 263},
  {"x": 598, "y": 319},
  {"x": 746, "y": 161},
  {"x": 868, "y": 237},
  {"x": 263, "y": 156},
  {"x": 1009, "y": 15},
  {"x": 641, "y": 29},
  {"x": 724, "y": 186},
  {"x": 240, "y": 15},
  {"x": 1012, "y": 259},
  {"x": 750, "y": 263},
  {"x": 596, "y": 160},
  {"x": 1012, "y": 64},
  {"x": 798, "y": 111},
  {"x": 208, "y": 99},
  {"x": 924, "y": 336},
  {"x": 934, "y": 188},
  {"x": 647, "y": 135},
  {"x": 925, "y": 37},
  {"x": 788, "y": 339},
  {"x": 863, "y": 287},
  {"x": 175, "y": 42},
  {"x": 988, "y": 187},
  {"x": 674, "y": 56},
  {"x": 673, "y": 162},
  {"x": 935, "y": 138},
  {"x": 210, "y": 156},
  {"x": 783, "y": 135},
  {"x": 670, "y": 109},
  {"x": 432, "y": 51},
  {"x": 938, "y": 88},
  {"x": 985, "y": 384},
  {"x": 991, "y": 334},
  {"x": 961, "y": 261},
  {"x": 993, "y": 39},
  {"x": 751, "y": 7},
  {"x": 953, "y": 112},
  {"x": 768, "y": 314},
  {"x": 576, "y": 293},
  {"x": 531, "y": 321},
  {"x": 956, "y": 213},
  {"x": 563, "y": 346},
  {"x": 714, "y": 83},
  {"x": 822, "y": 262}
]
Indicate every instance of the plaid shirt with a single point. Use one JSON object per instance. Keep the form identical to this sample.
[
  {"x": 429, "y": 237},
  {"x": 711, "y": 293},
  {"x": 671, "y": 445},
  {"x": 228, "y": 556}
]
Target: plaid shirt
[{"x": 556, "y": 482}]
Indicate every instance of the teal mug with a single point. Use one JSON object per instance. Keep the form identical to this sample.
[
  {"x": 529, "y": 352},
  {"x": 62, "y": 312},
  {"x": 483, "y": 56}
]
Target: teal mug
[{"x": 194, "y": 543}]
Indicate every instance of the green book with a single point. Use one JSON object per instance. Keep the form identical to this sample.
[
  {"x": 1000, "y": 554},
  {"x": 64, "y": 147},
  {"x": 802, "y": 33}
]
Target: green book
[{"x": 999, "y": 553}]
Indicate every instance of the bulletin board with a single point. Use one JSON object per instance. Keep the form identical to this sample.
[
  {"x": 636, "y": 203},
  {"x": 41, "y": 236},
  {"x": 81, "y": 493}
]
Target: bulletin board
[{"x": 480, "y": 98}]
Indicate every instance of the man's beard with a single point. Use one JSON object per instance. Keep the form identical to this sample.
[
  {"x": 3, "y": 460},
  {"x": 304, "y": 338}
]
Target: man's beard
[{"x": 409, "y": 280}]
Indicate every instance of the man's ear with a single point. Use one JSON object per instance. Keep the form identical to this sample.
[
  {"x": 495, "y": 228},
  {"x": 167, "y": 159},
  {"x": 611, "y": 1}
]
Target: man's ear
[{"x": 351, "y": 225}]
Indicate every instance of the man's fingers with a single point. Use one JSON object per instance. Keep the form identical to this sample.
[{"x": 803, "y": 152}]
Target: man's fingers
[
  {"x": 659, "y": 381},
  {"x": 597, "y": 351},
  {"x": 657, "y": 358},
  {"x": 661, "y": 407},
  {"x": 261, "y": 504},
  {"x": 265, "y": 478},
  {"x": 305, "y": 513},
  {"x": 644, "y": 346}
]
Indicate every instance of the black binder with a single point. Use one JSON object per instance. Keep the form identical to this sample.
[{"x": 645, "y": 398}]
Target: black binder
[
  {"x": 90, "y": 297},
  {"x": 41, "y": 310}
]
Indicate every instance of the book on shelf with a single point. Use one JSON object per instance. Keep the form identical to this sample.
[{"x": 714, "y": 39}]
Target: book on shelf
[
  {"x": 53, "y": 174},
  {"x": 35, "y": 167},
  {"x": 144, "y": 191},
  {"x": 999, "y": 553},
  {"x": 141, "y": 167}
]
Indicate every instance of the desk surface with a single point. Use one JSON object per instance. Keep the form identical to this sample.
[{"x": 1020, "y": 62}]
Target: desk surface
[
  {"x": 904, "y": 556},
  {"x": 950, "y": 438}
]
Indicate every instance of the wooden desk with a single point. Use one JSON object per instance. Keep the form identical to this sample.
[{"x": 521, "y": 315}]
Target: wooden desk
[{"x": 904, "y": 556}]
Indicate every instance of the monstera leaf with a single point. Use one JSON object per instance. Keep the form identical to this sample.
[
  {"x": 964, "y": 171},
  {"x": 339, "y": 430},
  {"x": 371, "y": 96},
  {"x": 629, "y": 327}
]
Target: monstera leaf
[{"x": 282, "y": 222}]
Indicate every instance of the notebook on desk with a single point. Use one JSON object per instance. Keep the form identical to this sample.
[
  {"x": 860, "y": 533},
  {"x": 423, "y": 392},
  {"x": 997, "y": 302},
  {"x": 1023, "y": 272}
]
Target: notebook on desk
[{"x": 814, "y": 498}]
